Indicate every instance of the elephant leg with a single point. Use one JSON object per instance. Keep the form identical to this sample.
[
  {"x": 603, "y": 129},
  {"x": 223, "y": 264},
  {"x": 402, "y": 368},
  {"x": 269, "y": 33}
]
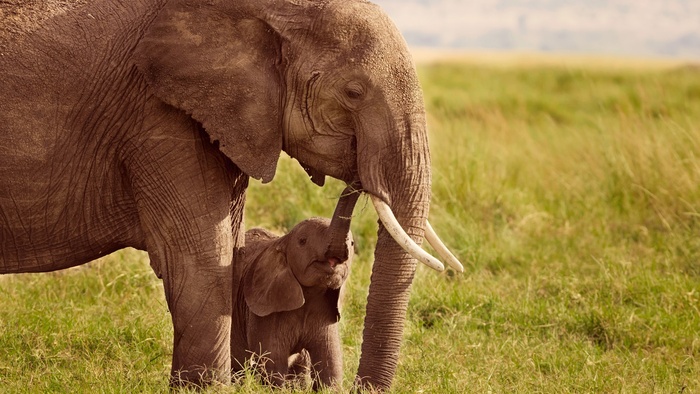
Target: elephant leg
[
  {"x": 275, "y": 366},
  {"x": 326, "y": 358},
  {"x": 273, "y": 361},
  {"x": 299, "y": 365},
  {"x": 190, "y": 202},
  {"x": 197, "y": 278},
  {"x": 272, "y": 348},
  {"x": 201, "y": 318}
]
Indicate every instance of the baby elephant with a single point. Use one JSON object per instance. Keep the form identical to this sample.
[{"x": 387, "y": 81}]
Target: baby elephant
[{"x": 286, "y": 302}]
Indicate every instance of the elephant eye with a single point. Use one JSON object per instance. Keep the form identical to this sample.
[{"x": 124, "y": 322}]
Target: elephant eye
[
  {"x": 302, "y": 241},
  {"x": 354, "y": 90}
]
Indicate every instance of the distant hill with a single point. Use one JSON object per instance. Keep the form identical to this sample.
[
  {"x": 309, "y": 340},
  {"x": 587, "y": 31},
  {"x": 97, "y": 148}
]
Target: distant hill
[{"x": 620, "y": 27}]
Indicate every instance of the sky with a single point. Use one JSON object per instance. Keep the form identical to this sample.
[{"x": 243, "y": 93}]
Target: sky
[{"x": 620, "y": 27}]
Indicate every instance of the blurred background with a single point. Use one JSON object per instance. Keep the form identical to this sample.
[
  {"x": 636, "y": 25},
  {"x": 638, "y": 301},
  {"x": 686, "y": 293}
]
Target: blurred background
[{"x": 669, "y": 28}]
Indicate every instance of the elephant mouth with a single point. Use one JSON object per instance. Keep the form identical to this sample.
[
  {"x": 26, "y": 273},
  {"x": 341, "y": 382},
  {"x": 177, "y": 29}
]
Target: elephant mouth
[
  {"x": 331, "y": 277},
  {"x": 335, "y": 280},
  {"x": 317, "y": 177},
  {"x": 333, "y": 262},
  {"x": 330, "y": 266}
]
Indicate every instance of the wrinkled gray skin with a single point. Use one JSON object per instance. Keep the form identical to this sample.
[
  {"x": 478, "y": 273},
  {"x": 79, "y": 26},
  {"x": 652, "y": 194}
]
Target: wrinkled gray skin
[
  {"x": 137, "y": 123},
  {"x": 287, "y": 301}
]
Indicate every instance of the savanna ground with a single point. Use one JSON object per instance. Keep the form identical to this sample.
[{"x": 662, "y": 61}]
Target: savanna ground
[{"x": 572, "y": 194}]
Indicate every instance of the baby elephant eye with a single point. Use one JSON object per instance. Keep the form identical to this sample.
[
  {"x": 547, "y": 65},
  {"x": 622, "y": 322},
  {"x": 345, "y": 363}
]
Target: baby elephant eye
[{"x": 302, "y": 241}]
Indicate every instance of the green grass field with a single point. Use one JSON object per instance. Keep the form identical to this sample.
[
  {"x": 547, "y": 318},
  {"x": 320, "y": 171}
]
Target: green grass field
[{"x": 572, "y": 195}]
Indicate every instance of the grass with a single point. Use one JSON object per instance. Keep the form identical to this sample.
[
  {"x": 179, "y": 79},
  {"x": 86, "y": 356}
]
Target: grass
[{"x": 572, "y": 195}]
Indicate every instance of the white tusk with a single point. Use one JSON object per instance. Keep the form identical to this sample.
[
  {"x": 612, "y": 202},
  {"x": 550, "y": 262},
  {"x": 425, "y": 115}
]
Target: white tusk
[
  {"x": 396, "y": 231},
  {"x": 441, "y": 249}
]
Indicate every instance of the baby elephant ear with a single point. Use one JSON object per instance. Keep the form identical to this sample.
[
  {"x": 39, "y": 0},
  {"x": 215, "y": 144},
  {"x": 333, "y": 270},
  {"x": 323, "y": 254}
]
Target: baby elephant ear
[
  {"x": 223, "y": 70},
  {"x": 269, "y": 285}
]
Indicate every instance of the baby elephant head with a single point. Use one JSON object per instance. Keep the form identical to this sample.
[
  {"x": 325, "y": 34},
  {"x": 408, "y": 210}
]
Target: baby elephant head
[
  {"x": 282, "y": 270},
  {"x": 307, "y": 258}
]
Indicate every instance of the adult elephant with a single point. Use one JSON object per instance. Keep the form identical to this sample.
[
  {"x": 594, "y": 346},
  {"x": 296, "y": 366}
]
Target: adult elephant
[{"x": 137, "y": 123}]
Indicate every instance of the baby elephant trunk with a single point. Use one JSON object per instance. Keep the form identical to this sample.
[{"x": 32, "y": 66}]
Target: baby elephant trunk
[{"x": 337, "y": 251}]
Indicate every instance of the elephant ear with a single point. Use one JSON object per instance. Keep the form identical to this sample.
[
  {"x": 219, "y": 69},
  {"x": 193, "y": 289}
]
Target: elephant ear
[
  {"x": 224, "y": 71},
  {"x": 269, "y": 285}
]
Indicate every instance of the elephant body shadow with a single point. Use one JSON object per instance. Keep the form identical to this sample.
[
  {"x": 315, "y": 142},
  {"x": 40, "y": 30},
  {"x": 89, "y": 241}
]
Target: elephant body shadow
[{"x": 286, "y": 306}]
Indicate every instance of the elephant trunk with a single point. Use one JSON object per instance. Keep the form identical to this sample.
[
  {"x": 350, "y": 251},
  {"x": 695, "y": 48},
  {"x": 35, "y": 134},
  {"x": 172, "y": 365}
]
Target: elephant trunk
[
  {"x": 407, "y": 187},
  {"x": 389, "y": 293},
  {"x": 340, "y": 224}
]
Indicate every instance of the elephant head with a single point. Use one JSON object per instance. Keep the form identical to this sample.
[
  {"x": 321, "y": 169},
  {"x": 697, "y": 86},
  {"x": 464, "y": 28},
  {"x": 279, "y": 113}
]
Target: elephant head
[
  {"x": 332, "y": 83},
  {"x": 281, "y": 267}
]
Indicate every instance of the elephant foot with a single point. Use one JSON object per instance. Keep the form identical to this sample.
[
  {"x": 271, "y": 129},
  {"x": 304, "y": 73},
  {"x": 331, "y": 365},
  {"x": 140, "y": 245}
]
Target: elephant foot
[
  {"x": 197, "y": 378},
  {"x": 299, "y": 372}
]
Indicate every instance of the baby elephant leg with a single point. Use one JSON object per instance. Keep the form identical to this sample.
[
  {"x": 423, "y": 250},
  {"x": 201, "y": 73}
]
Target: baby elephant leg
[
  {"x": 327, "y": 359},
  {"x": 274, "y": 349},
  {"x": 300, "y": 368},
  {"x": 274, "y": 368},
  {"x": 273, "y": 354}
]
